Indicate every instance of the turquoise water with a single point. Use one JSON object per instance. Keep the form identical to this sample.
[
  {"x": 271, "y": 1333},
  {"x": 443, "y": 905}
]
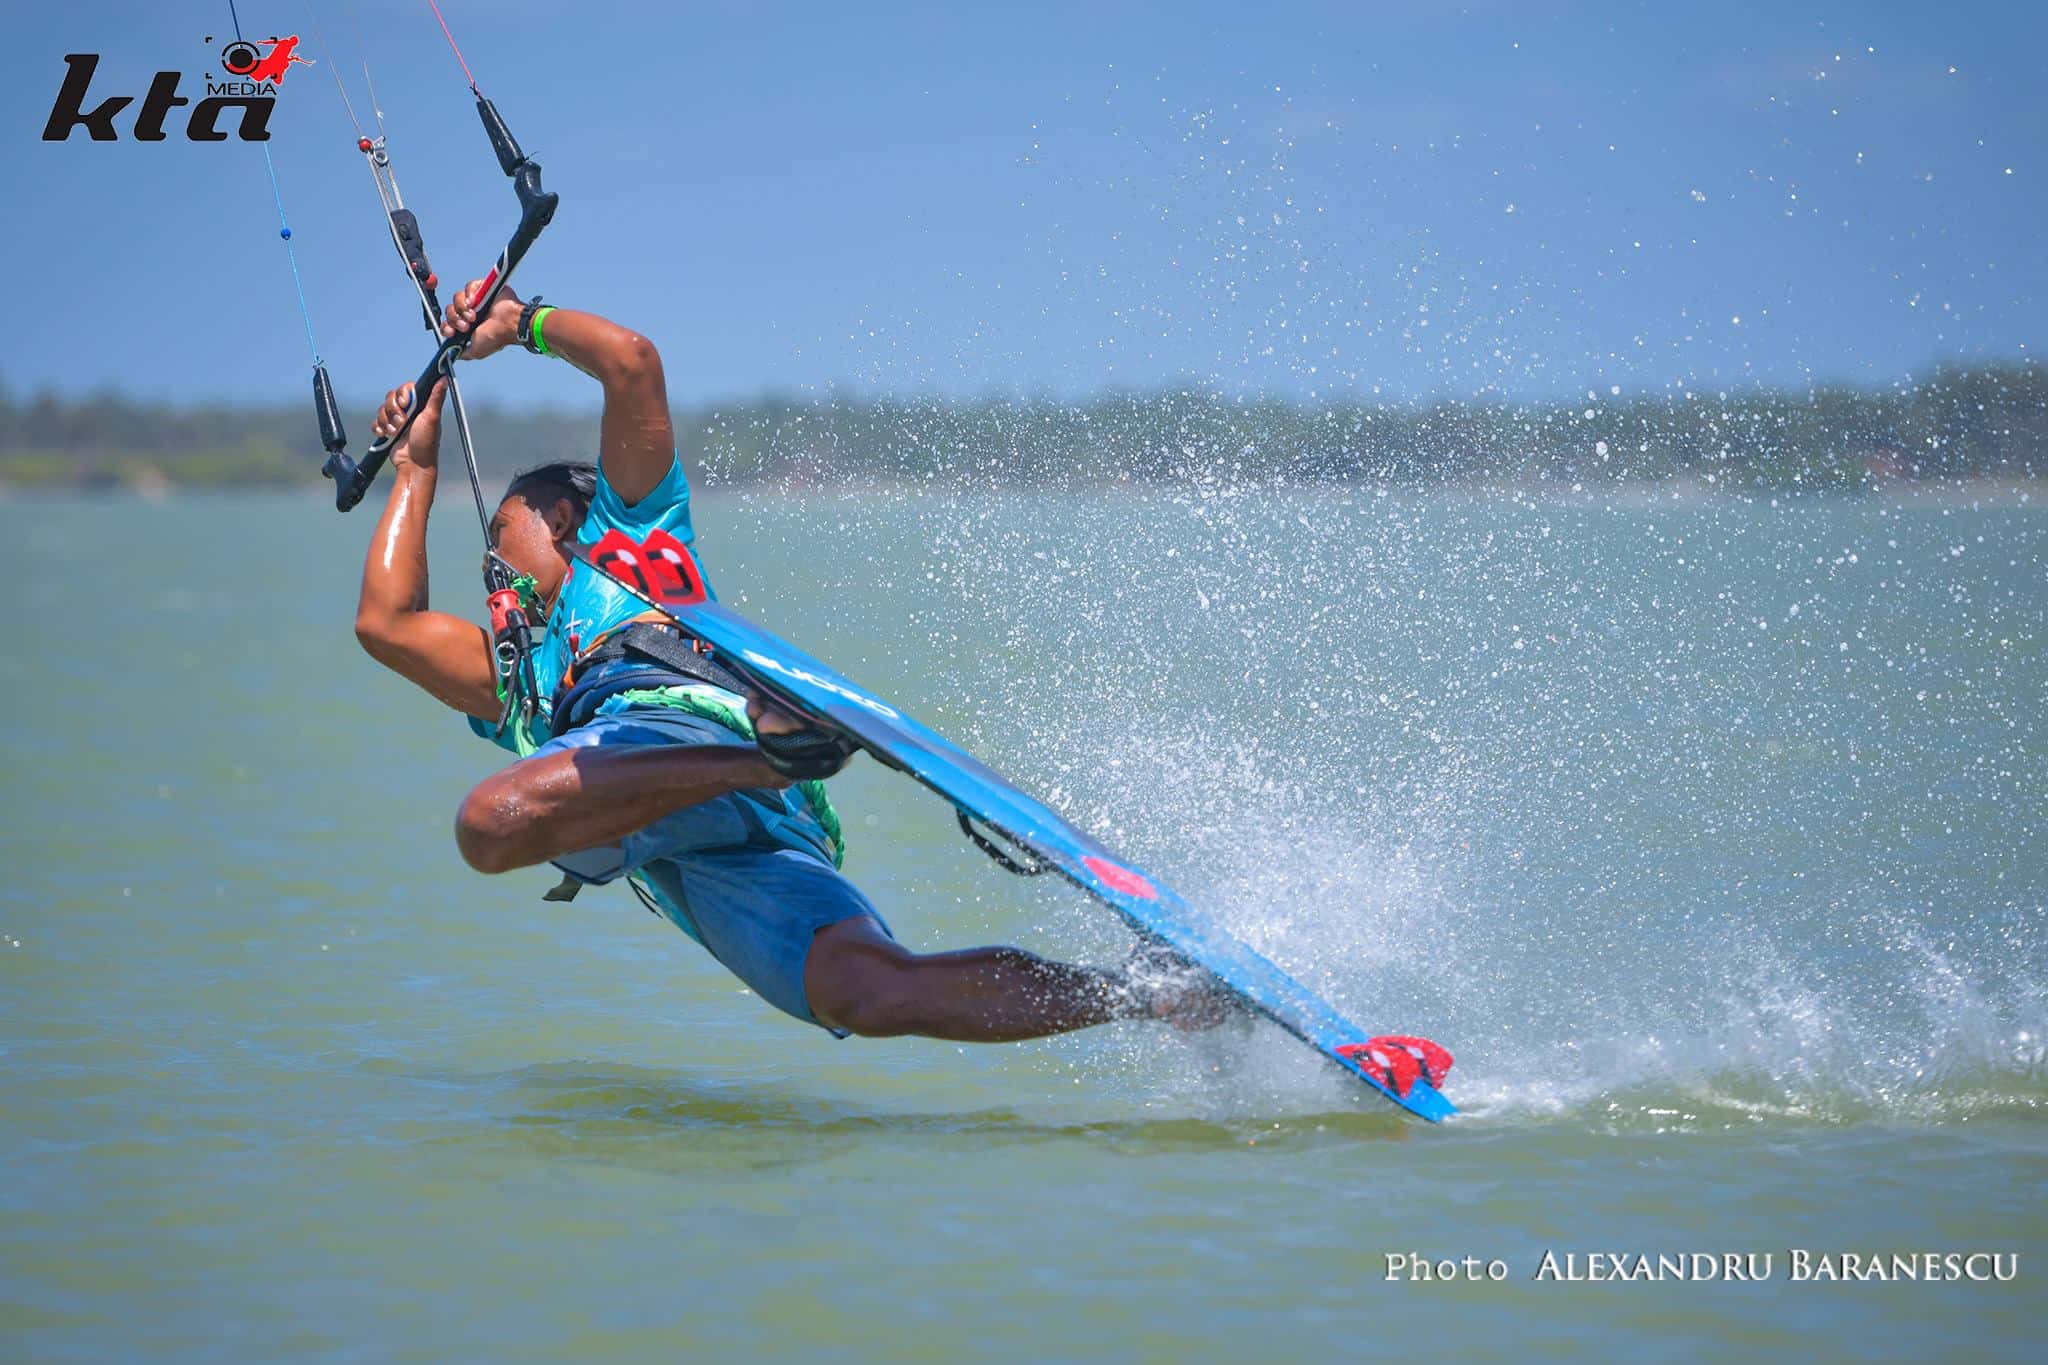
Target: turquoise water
[{"x": 1709, "y": 837}]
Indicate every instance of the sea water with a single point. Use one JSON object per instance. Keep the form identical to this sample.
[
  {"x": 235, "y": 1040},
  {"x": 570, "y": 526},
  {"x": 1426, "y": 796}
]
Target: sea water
[{"x": 1707, "y": 834}]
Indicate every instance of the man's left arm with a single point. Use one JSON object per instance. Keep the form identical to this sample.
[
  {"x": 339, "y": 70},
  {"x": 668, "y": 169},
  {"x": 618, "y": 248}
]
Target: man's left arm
[{"x": 637, "y": 439}]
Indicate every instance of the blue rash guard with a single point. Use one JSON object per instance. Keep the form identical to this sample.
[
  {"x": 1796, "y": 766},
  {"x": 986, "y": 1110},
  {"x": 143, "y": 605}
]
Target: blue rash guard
[
  {"x": 589, "y": 604},
  {"x": 752, "y": 876}
]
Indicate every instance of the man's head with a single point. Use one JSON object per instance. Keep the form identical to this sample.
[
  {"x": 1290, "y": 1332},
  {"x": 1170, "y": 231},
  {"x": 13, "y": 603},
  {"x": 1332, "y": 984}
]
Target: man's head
[{"x": 542, "y": 510}]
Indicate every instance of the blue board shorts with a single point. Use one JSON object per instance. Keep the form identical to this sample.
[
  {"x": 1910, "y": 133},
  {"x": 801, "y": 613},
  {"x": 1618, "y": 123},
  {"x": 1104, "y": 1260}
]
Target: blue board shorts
[{"x": 742, "y": 874}]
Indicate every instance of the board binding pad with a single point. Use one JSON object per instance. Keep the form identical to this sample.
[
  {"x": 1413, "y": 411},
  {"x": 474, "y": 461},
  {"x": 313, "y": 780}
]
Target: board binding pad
[{"x": 661, "y": 571}]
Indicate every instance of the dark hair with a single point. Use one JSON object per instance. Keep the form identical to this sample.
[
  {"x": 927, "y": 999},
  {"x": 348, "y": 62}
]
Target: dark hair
[{"x": 575, "y": 480}]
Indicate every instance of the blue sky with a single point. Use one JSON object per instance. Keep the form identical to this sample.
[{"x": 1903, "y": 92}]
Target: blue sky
[{"x": 1411, "y": 199}]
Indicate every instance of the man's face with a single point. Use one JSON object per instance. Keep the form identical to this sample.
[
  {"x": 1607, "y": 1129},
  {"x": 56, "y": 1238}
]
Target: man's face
[{"x": 525, "y": 537}]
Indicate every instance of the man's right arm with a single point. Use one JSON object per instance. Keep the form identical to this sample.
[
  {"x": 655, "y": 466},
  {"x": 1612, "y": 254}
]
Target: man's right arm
[{"x": 446, "y": 655}]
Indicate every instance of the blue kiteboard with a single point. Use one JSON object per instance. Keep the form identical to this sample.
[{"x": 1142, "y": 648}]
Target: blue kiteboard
[{"x": 662, "y": 572}]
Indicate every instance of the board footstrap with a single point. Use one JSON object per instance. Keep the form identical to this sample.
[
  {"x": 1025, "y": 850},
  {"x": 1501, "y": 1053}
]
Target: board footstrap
[{"x": 1398, "y": 1060}]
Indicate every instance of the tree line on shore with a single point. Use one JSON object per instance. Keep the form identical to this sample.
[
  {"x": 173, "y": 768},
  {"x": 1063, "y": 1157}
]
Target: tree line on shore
[{"x": 1953, "y": 423}]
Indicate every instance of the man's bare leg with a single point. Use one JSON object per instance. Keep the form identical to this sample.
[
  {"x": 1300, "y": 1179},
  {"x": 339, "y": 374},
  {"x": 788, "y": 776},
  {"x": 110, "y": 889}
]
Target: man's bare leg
[
  {"x": 550, "y": 804},
  {"x": 855, "y": 977},
  {"x": 859, "y": 979}
]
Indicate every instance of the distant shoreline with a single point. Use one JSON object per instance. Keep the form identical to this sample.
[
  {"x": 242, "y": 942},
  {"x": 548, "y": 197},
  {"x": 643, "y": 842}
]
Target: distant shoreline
[
  {"x": 1982, "y": 427},
  {"x": 1987, "y": 491}
]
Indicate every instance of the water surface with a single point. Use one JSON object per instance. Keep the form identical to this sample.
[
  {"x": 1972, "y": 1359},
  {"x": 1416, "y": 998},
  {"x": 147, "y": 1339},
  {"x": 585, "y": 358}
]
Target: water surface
[{"x": 1709, "y": 837}]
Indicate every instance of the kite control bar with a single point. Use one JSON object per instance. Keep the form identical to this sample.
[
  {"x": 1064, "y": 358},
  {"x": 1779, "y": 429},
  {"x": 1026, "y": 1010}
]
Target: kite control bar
[
  {"x": 506, "y": 592},
  {"x": 536, "y": 210}
]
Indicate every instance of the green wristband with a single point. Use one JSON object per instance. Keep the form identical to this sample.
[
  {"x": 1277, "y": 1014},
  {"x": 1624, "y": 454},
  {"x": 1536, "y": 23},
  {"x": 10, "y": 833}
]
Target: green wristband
[{"x": 540, "y": 345}]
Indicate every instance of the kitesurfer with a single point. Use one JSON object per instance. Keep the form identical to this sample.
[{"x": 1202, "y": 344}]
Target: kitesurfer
[{"x": 644, "y": 758}]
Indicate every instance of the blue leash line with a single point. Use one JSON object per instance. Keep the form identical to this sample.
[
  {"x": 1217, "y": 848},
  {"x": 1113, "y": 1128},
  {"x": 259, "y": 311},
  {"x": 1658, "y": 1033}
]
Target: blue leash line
[{"x": 284, "y": 231}]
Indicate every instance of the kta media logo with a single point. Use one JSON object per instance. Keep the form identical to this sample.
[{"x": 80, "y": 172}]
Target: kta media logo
[
  {"x": 243, "y": 58},
  {"x": 254, "y": 70}
]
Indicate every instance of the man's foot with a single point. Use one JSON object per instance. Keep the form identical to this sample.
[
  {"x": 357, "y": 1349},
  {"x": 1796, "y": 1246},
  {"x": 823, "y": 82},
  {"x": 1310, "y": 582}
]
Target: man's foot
[{"x": 1165, "y": 986}]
